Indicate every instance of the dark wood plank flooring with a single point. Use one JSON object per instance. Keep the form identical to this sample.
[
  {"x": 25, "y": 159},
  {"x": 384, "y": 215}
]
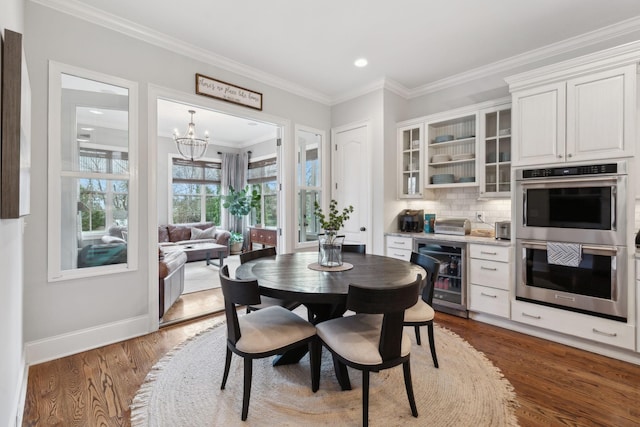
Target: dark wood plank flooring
[{"x": 556, "y": 385}]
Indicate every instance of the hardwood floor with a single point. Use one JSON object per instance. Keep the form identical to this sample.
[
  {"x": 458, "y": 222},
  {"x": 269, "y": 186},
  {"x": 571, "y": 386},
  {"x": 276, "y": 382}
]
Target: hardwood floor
[{"x": 555, "y": 384}]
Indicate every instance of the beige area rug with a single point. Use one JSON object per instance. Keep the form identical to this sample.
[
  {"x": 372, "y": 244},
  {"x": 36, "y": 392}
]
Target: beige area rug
[
  {"x": 198, "y": 276},
  {"x": 183, "y": 389}
]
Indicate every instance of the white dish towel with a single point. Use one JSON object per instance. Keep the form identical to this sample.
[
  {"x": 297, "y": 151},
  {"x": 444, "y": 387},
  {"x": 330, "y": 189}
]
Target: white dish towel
[{"x": 567, "y": 254}]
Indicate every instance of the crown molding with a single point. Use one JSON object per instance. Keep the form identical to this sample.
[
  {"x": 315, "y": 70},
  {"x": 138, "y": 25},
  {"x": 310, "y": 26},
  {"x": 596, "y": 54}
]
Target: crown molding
[
  {"x": 115, "y": 23},
  {"x": 566, "y": 46},
  {"x": 99, "y": 17}
]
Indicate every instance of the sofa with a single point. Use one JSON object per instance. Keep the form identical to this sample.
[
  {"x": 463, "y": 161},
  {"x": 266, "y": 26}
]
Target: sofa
[
  {"x": 171, "y": 278},
  {"x": 182, "y": 234}
]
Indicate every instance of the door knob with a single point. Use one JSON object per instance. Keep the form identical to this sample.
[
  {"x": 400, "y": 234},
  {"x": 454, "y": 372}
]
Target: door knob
[{"x": 363, "y": 228}]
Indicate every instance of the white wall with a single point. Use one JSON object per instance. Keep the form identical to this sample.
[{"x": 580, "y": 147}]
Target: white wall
[
  {"x": 70, "y": 316},
  {"x": 12, "y": 363}
]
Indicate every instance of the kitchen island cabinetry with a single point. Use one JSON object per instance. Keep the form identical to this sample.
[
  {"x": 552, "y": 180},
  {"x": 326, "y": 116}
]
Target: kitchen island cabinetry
[
  {"x": 574, "y": 114},
  {"x": 490, "y": 279}
]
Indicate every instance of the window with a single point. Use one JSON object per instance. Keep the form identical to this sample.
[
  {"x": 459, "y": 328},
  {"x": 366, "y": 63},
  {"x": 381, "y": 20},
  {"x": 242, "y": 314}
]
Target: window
[
  {"x": 93, "y": 186},
  {"x": 195, "y": 190},
  {"x": 263, "y": 177},
  {"x": 308, "y": 182}
]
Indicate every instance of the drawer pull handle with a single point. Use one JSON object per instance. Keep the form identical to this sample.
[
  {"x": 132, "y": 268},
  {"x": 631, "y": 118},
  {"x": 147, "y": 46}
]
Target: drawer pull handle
[
  {"x": 609, "y": 334},
  {"x": 488, "y": 295},
  {"x": 488, "y": 253},
  {"x": 399, "y": 243},
  {"x": 488, "y": 268},
  {"x": 531, "y": 316},
  {"x": 399, "y": 255}
]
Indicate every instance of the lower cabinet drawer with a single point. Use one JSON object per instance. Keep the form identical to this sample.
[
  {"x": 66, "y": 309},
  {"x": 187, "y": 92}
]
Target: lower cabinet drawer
[
  {"x": 489, "y": 300},
  {"x": 403, "y": 254},
  {"x": 490, "y": 273},
  {"x": 579, "y": 325}
]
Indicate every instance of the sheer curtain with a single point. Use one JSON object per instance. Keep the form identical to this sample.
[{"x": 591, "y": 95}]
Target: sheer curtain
[{"x": 234, "y": 174}]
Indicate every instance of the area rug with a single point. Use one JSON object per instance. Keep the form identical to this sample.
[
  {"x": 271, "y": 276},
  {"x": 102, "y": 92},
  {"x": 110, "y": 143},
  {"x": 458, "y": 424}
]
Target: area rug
[
  {"x": 198, "y": 276},
  {"x": 183, "y": 389}
]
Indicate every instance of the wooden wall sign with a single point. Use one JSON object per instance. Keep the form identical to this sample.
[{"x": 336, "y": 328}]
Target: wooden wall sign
[{"x": 227, "y": 92}]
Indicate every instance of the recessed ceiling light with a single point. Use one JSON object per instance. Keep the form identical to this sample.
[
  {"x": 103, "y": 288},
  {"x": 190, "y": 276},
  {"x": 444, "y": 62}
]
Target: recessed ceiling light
[
  {"x": 87, "y": 129},
  {"x": 96, "y": 112},
  {"x": 361, "y": 62}
]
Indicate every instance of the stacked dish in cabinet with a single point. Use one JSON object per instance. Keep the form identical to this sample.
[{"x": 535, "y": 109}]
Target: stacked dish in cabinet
[{"x": 452, "y": 152}]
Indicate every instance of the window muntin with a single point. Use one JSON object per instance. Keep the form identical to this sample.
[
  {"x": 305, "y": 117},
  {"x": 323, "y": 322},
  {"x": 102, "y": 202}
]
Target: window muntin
[
  {"x": 92, "y": 179},
  {"x": 195, "y": 190},
  {"x": 262, "y": 176}
]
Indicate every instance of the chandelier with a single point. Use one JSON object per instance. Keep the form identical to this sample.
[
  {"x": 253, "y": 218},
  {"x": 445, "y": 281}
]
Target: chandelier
[{"x": 190, "y": 146}]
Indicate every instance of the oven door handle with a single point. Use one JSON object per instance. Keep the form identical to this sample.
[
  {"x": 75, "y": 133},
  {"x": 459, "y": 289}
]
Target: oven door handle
[
  {"x": 561, "y": 181},
  {"x": 587, "y": 249}
]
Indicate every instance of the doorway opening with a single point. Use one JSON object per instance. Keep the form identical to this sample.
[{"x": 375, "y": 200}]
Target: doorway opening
[{"x": 190, "y": 194}]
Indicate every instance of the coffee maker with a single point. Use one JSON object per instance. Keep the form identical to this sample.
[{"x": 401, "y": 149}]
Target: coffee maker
[{"x": 411, "y": 220}]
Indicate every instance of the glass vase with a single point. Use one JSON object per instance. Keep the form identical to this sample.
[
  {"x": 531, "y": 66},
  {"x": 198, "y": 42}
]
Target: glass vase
[{"x": 330, "y": 249}]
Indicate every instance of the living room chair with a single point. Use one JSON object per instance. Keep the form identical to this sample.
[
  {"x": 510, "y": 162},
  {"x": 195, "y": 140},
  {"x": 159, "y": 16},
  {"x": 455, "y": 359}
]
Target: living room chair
[
  {"x": 266, "y": 301},
  {"x": 422, "y": 313},
  {"x": 369, "y": 342},
  {"x": 358, "y": 249},
  {"x": 270, "y": 331}
]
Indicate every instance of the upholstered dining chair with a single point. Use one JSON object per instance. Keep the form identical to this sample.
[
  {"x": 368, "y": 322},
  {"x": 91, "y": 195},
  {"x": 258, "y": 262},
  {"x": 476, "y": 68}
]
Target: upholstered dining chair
[
  {"x": 371, "y": 343},
  {"x": 422, "y": 313},
  {"x": 267, "y": 332},
  {"x": 355, "y": 248},
  {"x": 266, "y": 301}
]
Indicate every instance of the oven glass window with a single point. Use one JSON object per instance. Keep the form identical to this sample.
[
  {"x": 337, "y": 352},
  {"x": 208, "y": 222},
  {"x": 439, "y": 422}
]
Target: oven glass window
[
  {"x": 580, "y": 207},
  {"x": 593, "y": 277}
]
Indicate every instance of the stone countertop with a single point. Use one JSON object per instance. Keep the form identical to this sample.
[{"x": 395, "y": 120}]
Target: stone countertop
[{"x": 452, "y": 238}]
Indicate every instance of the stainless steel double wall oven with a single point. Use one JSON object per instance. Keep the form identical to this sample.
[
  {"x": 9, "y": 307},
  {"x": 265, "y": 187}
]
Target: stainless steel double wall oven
[{"x": 582, "y": 209}]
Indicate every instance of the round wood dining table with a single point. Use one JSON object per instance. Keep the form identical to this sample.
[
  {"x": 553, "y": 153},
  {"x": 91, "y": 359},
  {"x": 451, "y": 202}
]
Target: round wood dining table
[{"x": 324, "y": 293}]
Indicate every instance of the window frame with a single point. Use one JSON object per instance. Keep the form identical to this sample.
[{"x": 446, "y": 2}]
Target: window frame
[
  {"x": 56, "y": 175},
  {"x": 320, "y": 187},
  {"x": 202, "y": 194}
]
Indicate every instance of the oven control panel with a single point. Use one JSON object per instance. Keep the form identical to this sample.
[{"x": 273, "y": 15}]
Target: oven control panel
[{"x": 609, "y": 168}]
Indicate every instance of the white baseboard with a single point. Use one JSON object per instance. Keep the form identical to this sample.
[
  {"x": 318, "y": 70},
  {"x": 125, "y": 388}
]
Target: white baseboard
[
  {"x": 22, "y": 394},
  {"x": 78, "y": 341}
]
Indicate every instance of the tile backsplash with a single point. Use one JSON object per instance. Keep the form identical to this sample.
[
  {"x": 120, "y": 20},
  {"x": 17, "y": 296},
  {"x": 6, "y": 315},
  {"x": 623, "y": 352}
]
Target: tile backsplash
[{"x": 464, "y": 203}]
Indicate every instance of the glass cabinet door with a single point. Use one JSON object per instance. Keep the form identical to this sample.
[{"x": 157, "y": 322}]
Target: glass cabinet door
[
  {"x": 497, "y": 153},
  {"x": 410, "y": 162}
]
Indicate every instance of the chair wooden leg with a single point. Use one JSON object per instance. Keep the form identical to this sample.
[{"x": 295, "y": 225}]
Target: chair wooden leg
[
  {"x": 315, "y": 356},
  {"x": 246, "y": 394},
  {"x": 417, "y": 329},
  {"x": 341, "y": 373},
  {"x": 432, "y": 344},
  {"x": 227, "y": 365},
  {"x": 406, "y": 368},
  {"x": 365, "y": 398}
]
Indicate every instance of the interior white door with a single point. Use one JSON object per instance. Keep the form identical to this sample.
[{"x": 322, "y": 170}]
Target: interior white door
[{"x": 351, "y": 180}]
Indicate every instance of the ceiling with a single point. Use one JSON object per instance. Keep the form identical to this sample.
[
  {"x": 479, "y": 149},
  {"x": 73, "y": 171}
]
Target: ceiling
[{"x": 309, "y": 48}]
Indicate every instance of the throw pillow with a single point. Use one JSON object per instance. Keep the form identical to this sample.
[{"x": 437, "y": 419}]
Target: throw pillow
[
  {"x": 112, "y": 239},
  {"x": 196, "y": 233}
]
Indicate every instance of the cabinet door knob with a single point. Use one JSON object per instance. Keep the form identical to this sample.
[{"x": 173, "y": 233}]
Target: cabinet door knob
[
  {"x": 559, "y": 156},
  {"x": 363, "y": 228},
  {"x": 569, "y": 155}
]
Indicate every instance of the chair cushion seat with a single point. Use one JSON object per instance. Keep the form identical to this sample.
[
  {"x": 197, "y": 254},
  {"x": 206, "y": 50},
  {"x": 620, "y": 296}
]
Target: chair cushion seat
[
  {"x": 420, "y": 312},
  {"x": 271, "y": 328},
  {"x": 356, "y": 338}
]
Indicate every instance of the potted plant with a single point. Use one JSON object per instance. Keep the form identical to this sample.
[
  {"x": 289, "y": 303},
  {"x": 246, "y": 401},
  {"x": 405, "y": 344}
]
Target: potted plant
[
  {"x": 239, "y": 203},
  {"x": 329, "y": 243}
]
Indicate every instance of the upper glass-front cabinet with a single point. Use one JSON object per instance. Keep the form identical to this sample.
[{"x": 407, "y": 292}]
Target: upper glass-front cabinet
[
  {"x": 92, "y": 192},
  {"x": 410, "y": 161},
  {"x": 495, "y": 148},
  {"x": 308, "y": 182}
]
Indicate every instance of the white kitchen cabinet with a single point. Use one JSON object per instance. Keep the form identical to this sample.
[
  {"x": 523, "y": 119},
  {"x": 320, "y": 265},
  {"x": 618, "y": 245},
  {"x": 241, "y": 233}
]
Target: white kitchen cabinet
[
  {"x": 451, "y": 151},
  {"x": 495, "y": 152},
  {"x": 605, "y": 331},
  {"x": 399, "y": 247},
  {"x": 410, "y": 161},
  {"x": 490, "y": 279},
  {"x": 582, "y": 117}
]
